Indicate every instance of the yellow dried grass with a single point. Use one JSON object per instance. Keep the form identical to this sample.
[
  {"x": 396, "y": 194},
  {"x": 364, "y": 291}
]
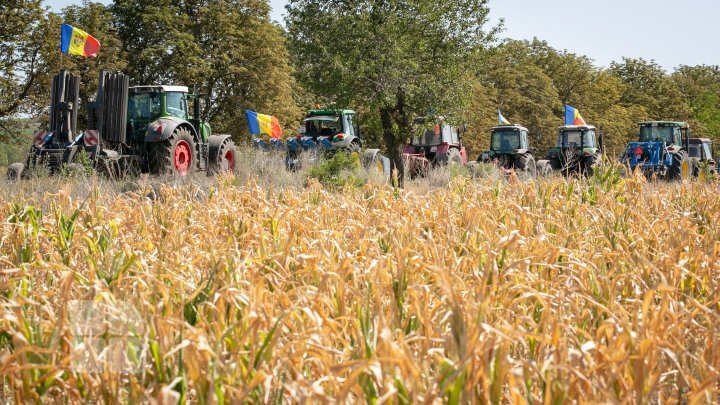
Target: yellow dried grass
[{"x": 487, "y": 291}]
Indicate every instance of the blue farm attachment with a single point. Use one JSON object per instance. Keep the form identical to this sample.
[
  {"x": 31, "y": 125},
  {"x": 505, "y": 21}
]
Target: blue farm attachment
[{"x": 652, "y": 157}]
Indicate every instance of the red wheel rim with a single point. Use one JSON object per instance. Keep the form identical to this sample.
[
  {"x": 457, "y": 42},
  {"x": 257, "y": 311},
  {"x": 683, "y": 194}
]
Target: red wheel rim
[
  {"x": 183, "y": 157},
  {"x": 230, "y": 158}
]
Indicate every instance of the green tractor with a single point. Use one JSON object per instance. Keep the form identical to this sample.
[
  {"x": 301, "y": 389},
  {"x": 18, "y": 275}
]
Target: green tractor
[
  {"x": 510, "y": 150},
  {"x": 577, "y": 152},
  {"x": 130, "y": 129}
]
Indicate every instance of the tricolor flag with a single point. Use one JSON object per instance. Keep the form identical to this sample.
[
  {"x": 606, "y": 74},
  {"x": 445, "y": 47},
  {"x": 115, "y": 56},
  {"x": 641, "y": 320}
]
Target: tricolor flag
[
  {"x": 75, "y": 41},
  {"x": 263, "y": 124},
  {"x": 573, "y": 117},
  {"x": 502, "y": 120}
]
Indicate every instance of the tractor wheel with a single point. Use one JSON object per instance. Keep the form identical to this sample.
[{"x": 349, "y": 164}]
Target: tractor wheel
[
  {"x": 589, "y": 164},
  {"x": 17, "y": 171},
  {"x": 353, "y": 151},
  {"x": 174, "y": 156},
  {"x": 226, "y": 159},
  {"x": 682, "y": 167},
  {"x": 526, "y": 163},
  {"x": 377, "y": 165},
  {"x": 543, "y": 168}
]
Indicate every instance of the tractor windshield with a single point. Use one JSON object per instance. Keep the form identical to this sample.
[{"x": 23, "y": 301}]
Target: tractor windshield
[
  {"x": 176, "y": 104},
  {"x": 323, "y": 126},
  {"x": 143, "y": 106},
  {"x": 695, "y": 150},
  {"x": 505, "y": 140},
  {"x": 576, "y": 139},
  {"x": 701, "y": 150},
  {"x": 669, "y": 135}
]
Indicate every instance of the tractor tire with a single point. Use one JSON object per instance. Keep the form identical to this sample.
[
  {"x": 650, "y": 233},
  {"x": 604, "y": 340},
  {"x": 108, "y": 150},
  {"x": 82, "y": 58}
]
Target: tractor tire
[
  {"x": 527, "y": 164},
  {"x": 376, "y": 164},
  {"x": 589, "y": 164},
  {"x": 543, "y": 168},
  {"x": 176, "y": 156},
  {"x": 225, "y": 160},
  {"x": 682, "y": 166},
  {"x": 17, "y": 171}
]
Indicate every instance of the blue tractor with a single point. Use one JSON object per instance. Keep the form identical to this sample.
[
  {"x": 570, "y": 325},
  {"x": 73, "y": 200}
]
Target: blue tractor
[{"x": 662, "y": 150}]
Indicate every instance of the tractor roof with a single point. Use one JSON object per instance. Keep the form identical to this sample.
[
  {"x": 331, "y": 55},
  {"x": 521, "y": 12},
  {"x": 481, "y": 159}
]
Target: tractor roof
[
  {"x": 329, "y": 112},
  {"x": 512, "y": 127},
  {"x": 575, "y": 127},
  {"x": 150, "y": 89},
  {"x": 700, "y": 140},
  {"x": 664, "y": 123}
]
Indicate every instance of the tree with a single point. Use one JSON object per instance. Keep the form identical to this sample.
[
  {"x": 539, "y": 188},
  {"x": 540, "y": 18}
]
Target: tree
[
  {"x": 95, "y": 19},
  {"x": 646, "y": 84},
  {"x": 522, "y": 90},
  {"x": 394, "y": 58},
  {"x": 227, "y": 50},
  {"x": 700, "y": 86},
  {"x": 21, "y": 39}
]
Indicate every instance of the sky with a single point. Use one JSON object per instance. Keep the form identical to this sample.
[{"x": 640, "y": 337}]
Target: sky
[{"x": 670, "y": 32}]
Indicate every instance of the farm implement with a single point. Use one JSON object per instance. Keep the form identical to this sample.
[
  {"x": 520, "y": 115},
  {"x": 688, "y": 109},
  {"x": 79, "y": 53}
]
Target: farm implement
[{"x": 129, "y": 129}]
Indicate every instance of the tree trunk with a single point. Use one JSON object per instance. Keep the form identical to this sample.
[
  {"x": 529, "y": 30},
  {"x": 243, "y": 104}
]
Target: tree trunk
[{"x": 392, "y": 144}]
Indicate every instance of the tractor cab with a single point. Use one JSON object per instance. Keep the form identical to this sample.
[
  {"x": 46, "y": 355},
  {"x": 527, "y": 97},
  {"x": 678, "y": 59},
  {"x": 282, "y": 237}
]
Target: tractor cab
[
  {"x": 577, "y": 138},
  {"x": 700, "y": 151},
  {"x": 510, "y": 150},
  {"x": 148, "y": 104},
  {"x": 434, "y": 141},
  {"x": 333, "y": 129},
  {"x": 507, "y": 140},
  {"x": 671, "y": 133},
  {"x": 428, "y": 140}
]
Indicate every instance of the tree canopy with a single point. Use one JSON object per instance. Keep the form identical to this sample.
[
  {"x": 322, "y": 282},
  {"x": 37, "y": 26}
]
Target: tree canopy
[{"x": 392, "y": 59}]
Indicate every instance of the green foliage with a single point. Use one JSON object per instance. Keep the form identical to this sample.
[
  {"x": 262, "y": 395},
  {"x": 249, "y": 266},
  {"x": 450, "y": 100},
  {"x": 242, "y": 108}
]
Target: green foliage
[
  {"x": 228, "y": 50},
  {"x": 393, "y": 59},
  {"x": 23, "y": 35},
  {"x": 338, "y": 171},
  {"x": 97, "y": 20}
]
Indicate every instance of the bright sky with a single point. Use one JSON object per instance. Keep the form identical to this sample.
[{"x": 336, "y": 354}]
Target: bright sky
[{"x": 668, "y": 31}]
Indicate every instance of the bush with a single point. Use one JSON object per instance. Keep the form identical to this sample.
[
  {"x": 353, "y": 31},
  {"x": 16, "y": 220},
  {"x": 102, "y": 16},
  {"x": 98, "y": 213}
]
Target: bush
[{"x": 338, "y": 171}]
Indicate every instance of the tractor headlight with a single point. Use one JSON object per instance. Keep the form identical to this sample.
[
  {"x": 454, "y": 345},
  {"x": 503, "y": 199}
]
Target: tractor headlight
[{"x": 433, "y": 149}]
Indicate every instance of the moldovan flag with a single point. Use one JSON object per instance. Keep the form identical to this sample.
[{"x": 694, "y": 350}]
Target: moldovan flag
[
  {"x": 573, "y": 117},
  {"x": 263, "y": 124},
  {"x": 502, "y": 120},
  {"x": 75, "y": 41}
]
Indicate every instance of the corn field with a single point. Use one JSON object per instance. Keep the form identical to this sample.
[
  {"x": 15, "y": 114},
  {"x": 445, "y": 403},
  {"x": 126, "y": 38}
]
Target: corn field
[{"x": 482, "y": 291}]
